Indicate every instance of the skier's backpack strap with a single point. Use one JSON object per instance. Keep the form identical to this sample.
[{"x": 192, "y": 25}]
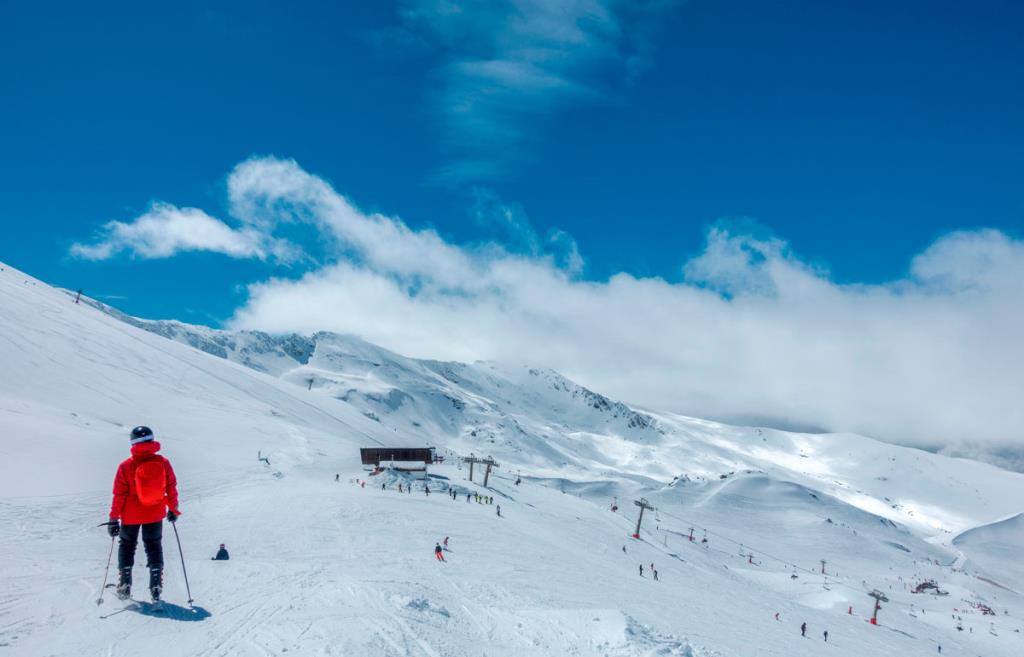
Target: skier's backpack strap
[{"x": 150, "y": 482}]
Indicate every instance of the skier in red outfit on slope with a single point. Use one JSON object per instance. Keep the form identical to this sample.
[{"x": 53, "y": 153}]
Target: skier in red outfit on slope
[{"x": 145, "y": 490}]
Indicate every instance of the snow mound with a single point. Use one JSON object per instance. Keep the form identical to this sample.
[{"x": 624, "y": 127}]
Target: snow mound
[{"x": 996, "y": 550}]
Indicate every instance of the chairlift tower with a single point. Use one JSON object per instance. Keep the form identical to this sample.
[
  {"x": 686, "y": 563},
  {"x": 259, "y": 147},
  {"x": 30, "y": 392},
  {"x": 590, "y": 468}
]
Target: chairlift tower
[
  {"x": 488, "y": 462},
  {"x": 643, "y": 504},
  {"x": 879, "y": 599}
]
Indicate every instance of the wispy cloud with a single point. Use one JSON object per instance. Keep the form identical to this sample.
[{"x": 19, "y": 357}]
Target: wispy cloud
[
  {"x": 165, "y": 230},
  {"x": 503, "y": 66},
  {"x": 748, "y": 330},
  {"x": 518, "y": 234}
]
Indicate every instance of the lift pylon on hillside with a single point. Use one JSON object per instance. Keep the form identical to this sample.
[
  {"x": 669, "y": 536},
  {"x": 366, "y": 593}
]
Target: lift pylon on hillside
[
  {"x": 643, "y": 504},
  {"x": 879, "y": 599},
  {"x": 488, "y": 462}
]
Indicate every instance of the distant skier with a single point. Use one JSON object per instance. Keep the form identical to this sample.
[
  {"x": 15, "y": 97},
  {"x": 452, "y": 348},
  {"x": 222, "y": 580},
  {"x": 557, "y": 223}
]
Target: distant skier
[
  {"x": 641, "y": 570},
  {"x": 445, "y": 542},
  {"x": 826, "y": 636},
  {"x": 438, "y": 552},
  {"x": 399, "y": 487},
  {"x": 776, "y": 615},
  {"x": 467, "y": 498},
  {"x": 383, "y": 485},
  {"x": 145, "y": 490},
  {"x": 426, "y": 489},
  {"x": 803, "y": 629},
  {"x": 623, "y": 549},
  {"x": 222, "y": 554},
  {"x": 337, "y": 477},
  {"x": 499, "y": 510}
]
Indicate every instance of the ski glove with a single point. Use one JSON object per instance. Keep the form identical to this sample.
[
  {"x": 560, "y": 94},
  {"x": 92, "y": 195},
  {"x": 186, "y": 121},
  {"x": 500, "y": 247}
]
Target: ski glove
[
  {"x": 113, "y": 528},
  {"x": 172, "y": 516}
]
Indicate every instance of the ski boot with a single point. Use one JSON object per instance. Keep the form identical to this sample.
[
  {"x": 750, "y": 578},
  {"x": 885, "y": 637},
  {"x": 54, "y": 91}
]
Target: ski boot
[
  {"x": 156, "y": 583},
  {"x": 124, "y": 583}
]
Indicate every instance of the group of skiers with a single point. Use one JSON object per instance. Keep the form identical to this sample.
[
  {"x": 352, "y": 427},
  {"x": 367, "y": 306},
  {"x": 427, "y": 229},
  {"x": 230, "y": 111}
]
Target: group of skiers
[
  {"x": 145, "y": 491},
  {"x": 654, "y": 571},
  {"x": 452, "y": 493},
  {"x": 480, "y": 499}
]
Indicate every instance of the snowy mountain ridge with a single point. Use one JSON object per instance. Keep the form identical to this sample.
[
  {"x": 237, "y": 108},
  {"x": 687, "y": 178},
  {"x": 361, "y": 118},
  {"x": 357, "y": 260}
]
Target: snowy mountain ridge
[
  {"x": 528, "y": 414},
  {"x": 379, "y": 381},
  {"x": 322, "y": 567}
]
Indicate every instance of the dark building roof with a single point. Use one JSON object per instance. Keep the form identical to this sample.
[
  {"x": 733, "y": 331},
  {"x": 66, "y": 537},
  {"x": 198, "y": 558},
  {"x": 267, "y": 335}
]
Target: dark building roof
[{"x": 374, "y": 455}]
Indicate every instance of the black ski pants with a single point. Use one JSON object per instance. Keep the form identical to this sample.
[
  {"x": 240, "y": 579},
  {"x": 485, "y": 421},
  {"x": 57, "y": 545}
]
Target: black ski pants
[{"x": 152, "y": 535}]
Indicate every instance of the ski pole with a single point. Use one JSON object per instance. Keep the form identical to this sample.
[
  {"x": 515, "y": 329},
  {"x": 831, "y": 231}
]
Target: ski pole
[
  {"x": 182, "y": 555},
  {"x": 106, "y": 573}
]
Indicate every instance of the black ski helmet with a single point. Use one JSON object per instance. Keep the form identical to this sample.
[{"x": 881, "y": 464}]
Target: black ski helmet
[{"x": 141, "y": 435}]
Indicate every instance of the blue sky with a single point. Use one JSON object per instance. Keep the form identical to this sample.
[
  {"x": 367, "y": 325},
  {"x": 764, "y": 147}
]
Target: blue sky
[
  {"x": 860, "y": 149},
  {"x": 858, "y": 131}
]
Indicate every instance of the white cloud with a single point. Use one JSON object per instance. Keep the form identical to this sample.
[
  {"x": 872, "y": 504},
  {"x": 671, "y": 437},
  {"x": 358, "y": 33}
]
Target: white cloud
[
  {"x": 165, "y": 230},
  {"x": 504, "y": 65},
  {"x": 751, "y": 331},
  {"x": 518, "y": 234},
  {"x": 748, "y": 331}
]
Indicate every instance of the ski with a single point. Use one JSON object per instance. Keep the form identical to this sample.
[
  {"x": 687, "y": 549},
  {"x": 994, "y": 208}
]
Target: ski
[
  {"x": 130, "y": 605},
  {"x": 154, "y": 607}
]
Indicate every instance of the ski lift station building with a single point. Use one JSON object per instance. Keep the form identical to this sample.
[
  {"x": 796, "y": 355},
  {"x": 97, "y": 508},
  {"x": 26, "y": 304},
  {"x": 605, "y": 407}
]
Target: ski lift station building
[{"x": 409, "y": 459}]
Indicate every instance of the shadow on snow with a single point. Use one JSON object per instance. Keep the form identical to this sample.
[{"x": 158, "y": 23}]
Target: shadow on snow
[{"x": 172, "y": 612}]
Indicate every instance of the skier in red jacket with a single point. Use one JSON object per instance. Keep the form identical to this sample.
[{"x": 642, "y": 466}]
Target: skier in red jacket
[{"x": 145, "y": 490}]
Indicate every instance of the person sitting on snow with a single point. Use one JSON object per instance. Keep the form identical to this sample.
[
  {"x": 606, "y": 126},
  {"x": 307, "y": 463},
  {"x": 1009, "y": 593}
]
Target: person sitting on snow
[{"x": 222, "y": 554}]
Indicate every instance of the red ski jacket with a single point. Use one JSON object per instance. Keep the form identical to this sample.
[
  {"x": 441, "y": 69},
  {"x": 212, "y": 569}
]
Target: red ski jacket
[{"x": 127, "y": 507}]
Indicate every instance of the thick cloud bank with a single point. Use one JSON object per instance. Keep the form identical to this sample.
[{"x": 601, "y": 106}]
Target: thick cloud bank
[{"x": 748, "y": 332}]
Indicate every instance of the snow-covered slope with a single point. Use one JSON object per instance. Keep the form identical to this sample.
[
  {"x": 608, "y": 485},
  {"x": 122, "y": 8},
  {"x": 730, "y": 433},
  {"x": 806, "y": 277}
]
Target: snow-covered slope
[
  {"x": 996, "y": 548},
  {"x": 320, "y": 567},
  {"x": 554, "y": 428}
]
